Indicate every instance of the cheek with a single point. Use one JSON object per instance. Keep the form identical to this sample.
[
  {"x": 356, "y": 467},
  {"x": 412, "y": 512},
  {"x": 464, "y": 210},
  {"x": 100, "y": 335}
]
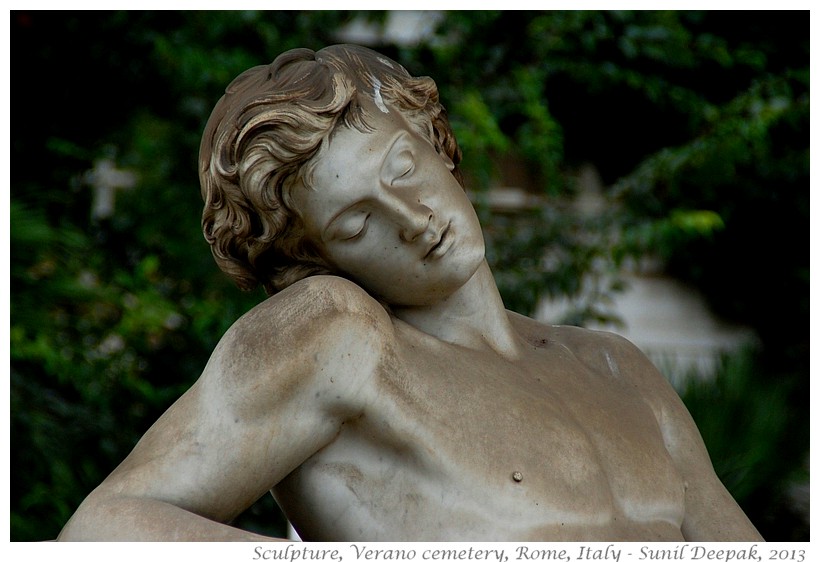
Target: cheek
[{"x": 367, "y": 261}]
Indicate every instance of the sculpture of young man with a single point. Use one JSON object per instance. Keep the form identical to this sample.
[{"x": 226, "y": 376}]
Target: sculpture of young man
[{"x": 383, "y": 392}]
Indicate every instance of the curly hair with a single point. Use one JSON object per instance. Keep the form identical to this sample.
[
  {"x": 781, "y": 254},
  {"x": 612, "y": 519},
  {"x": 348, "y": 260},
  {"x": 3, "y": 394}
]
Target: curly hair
[{"x": 265, "y": 133}]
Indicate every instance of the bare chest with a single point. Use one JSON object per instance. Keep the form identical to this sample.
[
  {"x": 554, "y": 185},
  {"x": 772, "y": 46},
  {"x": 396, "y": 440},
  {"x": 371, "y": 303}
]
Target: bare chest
[{"x": 465, "y": 443}]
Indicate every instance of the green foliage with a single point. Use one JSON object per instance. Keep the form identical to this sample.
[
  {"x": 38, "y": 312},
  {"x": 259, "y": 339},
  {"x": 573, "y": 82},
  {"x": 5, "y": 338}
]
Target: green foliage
[
  {"x": 698, "y": 121},
  {"x": 742, "y": 420},
  {"x": 539, "y": 138},
  {"x": 478, "y": 133},
  {"x": 553, "y": 252}
]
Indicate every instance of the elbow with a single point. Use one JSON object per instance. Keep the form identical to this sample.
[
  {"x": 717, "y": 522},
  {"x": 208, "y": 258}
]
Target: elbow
[{"x": 100, "y": 517}]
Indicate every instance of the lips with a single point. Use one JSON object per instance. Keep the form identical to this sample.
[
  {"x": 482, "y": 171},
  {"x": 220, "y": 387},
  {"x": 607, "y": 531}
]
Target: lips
[{"x": 441, "y": 244}]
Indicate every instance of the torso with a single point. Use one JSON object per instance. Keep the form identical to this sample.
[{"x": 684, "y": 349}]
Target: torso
[{"x": 454, "y": 444}]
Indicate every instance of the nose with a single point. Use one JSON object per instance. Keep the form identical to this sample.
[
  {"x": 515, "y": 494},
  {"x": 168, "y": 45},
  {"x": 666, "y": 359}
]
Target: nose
[{"x": 413, "y": 222}]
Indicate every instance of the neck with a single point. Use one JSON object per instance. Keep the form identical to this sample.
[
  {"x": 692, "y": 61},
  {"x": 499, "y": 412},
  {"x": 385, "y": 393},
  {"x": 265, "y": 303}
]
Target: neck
[{"x": 474, "y": 317}]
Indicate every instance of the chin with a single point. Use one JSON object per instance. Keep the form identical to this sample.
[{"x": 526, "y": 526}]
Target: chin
[{"x": 433, "y": 293}]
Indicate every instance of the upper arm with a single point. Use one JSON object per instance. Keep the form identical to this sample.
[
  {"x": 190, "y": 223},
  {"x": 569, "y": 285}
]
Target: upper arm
[
  {"x": 275, "y": 391},
  {"x": 711, "y": 514}
]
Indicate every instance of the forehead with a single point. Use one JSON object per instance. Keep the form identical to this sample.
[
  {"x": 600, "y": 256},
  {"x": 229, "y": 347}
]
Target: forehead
[
  {"x": 352, "y": 150},
  {"x": 348, "y": 166}
]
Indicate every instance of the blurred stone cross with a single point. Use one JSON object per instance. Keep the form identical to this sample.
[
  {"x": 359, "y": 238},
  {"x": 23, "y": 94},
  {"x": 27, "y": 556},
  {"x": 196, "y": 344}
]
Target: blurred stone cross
[{"x": 105, "y": 179}]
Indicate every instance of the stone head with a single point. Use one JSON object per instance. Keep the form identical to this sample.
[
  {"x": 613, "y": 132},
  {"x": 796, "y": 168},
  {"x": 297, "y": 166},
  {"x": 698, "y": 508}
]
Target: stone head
[{"x": 267, "y": 133}]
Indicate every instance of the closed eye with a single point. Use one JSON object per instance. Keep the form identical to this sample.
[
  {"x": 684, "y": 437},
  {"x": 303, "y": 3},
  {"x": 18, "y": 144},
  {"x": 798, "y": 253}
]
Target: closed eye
[
  {"x": 351, "y": 227},
  {"x": 402, "y": 165},
  {"x": 400, "y": 160}
]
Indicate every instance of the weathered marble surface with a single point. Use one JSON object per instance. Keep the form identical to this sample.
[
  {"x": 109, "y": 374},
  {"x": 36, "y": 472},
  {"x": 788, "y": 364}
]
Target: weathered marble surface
[{"x": 389, "y": 395}]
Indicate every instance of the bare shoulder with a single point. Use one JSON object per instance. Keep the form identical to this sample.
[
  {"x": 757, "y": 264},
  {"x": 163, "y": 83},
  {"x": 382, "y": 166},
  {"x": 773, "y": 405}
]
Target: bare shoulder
[
  {"x": 308, "y": 306},
  {"x": 320, "y": 331},
  {"x": 311, "y": 312},
  {"x": 603, "y": 352},
  {"x": 619, "y": 359}
]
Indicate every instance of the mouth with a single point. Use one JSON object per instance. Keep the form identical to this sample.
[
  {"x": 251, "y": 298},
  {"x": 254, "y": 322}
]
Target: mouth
[{"x": 441, "y": 245}]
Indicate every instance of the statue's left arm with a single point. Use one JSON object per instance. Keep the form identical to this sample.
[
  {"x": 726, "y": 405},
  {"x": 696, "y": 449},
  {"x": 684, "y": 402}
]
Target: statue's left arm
[{"x": 711, "y": 513}]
